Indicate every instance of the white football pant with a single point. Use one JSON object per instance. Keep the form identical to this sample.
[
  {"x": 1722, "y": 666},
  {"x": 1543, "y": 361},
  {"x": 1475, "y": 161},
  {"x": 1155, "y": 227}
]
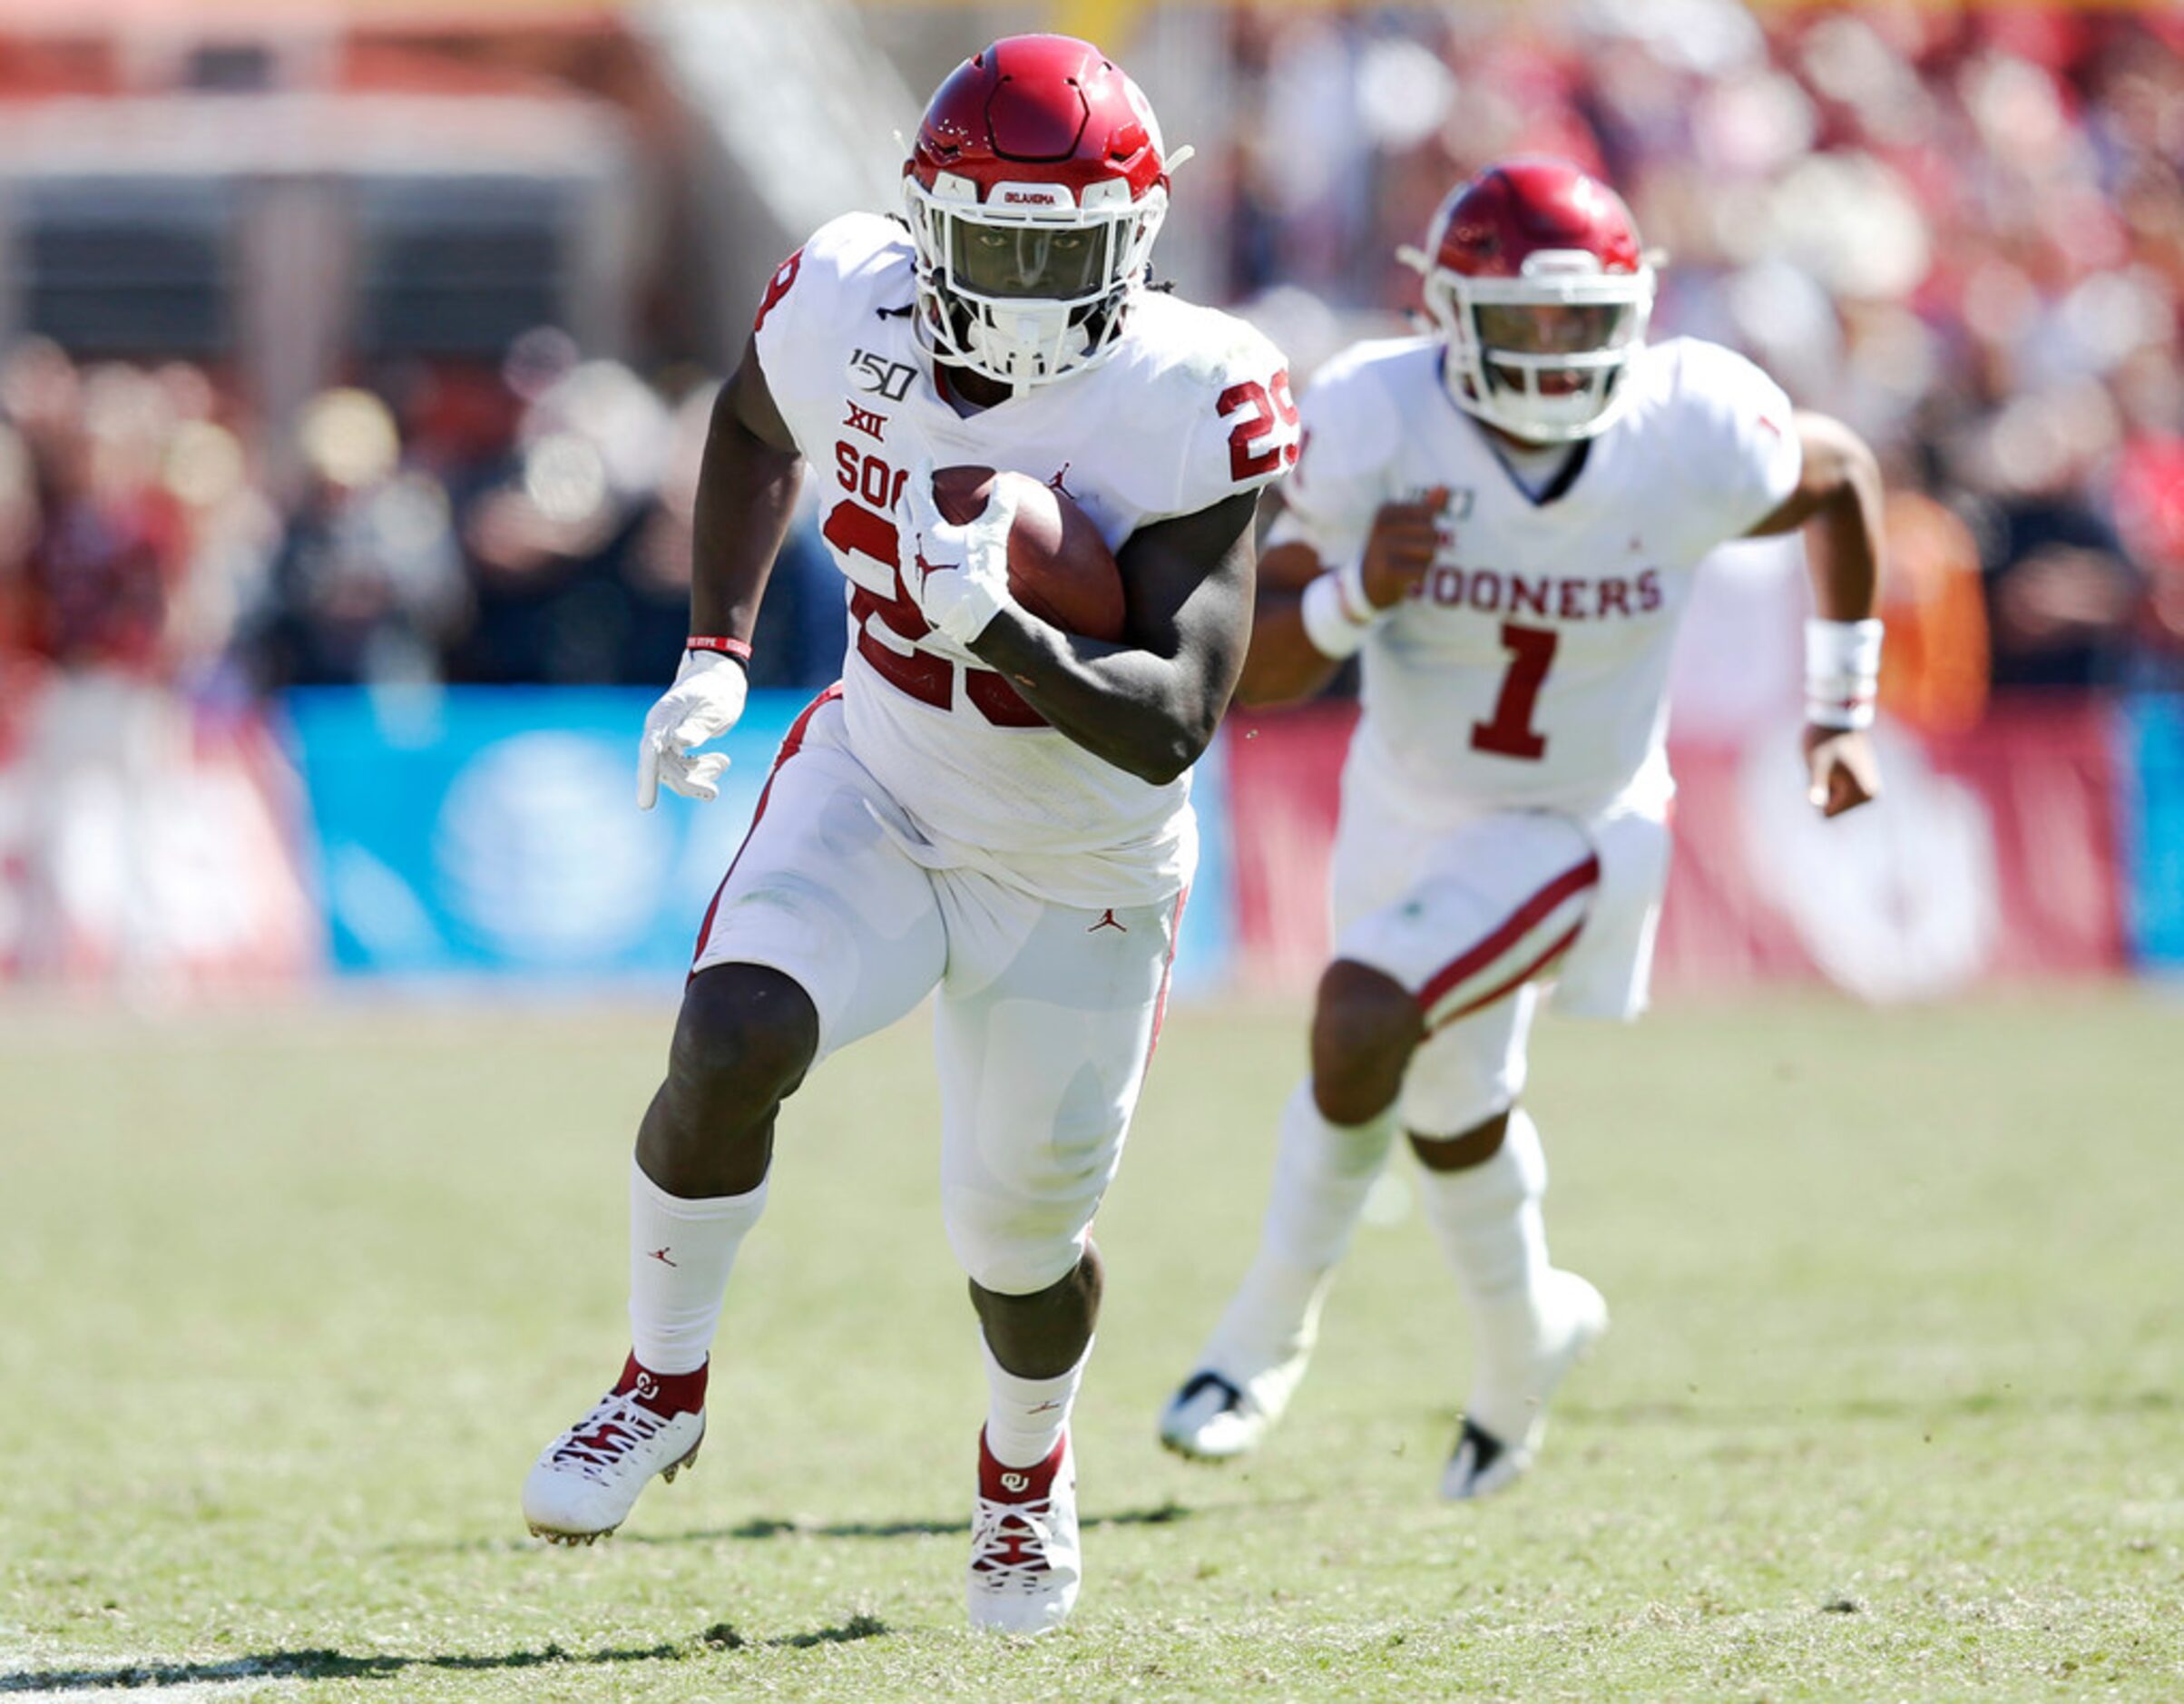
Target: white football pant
[{"x": 1046, "y": 1017}]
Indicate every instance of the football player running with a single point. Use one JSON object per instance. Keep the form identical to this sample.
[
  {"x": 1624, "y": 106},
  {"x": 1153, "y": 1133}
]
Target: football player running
[
  {"x": 984, "y": 805},
  {"x": 1502, "y": 521}
]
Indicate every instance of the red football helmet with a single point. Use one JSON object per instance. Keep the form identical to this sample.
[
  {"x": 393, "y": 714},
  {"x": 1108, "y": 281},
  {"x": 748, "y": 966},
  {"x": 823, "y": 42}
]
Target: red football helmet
[
  {"x": 1534, "y": 273},
  {"x": 1035, "y": 189}
]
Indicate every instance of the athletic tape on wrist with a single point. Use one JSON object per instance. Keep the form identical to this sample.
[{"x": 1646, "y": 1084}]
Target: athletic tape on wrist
[{"x": 1842, "y": 672}]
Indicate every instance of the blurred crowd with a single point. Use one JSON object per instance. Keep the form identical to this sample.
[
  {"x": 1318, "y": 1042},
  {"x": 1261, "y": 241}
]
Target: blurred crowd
[
  {"x": 1961, "y": 230},
  {"x": 457, "y": 523}
]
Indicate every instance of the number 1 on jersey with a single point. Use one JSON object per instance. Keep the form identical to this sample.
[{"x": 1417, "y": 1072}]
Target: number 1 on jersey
[{"x": 1510, "y": 733}]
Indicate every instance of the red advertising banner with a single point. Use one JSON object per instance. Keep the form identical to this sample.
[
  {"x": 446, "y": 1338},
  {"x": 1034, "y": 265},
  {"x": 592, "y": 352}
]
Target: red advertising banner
[
  {"x": 1285, "y": 771},
  {"x": 1995, "y": 854}
]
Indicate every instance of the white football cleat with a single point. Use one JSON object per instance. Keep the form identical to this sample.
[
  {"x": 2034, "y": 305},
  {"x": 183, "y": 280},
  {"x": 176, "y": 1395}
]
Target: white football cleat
[
  {"x": 1026, "y": 1564},
  {"x": 1571, "y": 1318},
  {"x": 584, "y": 1483},
  {"x": 1209, "y": 1419},
  {"x": 1251, "y": 1365},
  {"x": 1215, "y": 1418}
]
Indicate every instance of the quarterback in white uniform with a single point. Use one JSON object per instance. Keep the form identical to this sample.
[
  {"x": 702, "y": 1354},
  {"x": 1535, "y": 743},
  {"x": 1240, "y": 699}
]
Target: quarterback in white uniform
[
  {"x": 1502, "y": 521},
  {"x": 985, "y": 805}
]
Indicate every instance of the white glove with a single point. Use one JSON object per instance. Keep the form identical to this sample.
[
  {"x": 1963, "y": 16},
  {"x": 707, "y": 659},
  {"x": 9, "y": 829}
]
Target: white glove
[
  {"x": 705, "y": 702},
  {"x": 958, "y": 576}
]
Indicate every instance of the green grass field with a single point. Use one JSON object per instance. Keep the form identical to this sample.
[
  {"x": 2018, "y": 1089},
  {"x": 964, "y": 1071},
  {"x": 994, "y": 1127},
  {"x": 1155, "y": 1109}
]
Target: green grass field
[{"x": 1894, "y": 1407}]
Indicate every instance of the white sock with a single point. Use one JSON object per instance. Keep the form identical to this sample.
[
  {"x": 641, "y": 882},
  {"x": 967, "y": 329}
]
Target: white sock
[
  {"x": 1024, "y": 1416},
  {"x": 681, "y": 1254},
  {"x": 1322, "y": 1173},
  {"x": 1488, "y": 1222}
]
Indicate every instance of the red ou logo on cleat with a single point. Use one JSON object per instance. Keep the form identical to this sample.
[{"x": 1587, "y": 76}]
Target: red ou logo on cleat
[{"x": 1016, "y": 1481}]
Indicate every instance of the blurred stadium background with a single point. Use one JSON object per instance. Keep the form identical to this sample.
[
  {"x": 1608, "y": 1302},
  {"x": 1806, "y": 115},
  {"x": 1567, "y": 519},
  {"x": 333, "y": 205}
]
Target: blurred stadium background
[{"x": 354, "y": 357}]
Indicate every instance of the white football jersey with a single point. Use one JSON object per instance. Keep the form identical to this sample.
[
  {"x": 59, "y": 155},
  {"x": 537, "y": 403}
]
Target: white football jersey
[
  {"x": 1192, "y": 407},
  {"x": 1531, "y": 668}
]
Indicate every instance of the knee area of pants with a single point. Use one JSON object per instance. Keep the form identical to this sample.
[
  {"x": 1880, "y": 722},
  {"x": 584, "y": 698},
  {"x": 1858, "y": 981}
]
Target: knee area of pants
[
  {"x": 1020, "y": 1271},
  {"x": 752, "y": 1035},
  {"x": 1010, "y": 1256}
]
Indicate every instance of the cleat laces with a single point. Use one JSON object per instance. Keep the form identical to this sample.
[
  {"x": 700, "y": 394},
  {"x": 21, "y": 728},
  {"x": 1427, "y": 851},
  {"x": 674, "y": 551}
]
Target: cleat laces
[
  {"x": 1009, "y": 1543},
  {"x": 600, "y": 1444}
]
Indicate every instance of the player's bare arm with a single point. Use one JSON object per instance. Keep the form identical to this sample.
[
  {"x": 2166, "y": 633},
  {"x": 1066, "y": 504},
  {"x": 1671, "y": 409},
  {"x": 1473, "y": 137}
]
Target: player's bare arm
[
  {"x": 1150, "y": 704},
  {"x": 1837, "y": 502},
  {"x": 1284, "y": 664},
  {"x": 747, "y": 491}
]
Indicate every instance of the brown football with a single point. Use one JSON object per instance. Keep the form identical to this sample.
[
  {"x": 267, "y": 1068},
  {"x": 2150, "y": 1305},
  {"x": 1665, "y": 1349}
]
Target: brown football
[{"x": 1060, "y": 568}]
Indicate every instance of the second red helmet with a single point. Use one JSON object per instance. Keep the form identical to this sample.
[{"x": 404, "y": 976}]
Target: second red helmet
[{"x": 1534, "y": 273}]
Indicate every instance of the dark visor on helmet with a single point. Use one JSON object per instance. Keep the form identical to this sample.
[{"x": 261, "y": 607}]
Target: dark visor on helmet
[
  {"x": 1555, "y": 328},
  {"x": 1020, "y": 262}
]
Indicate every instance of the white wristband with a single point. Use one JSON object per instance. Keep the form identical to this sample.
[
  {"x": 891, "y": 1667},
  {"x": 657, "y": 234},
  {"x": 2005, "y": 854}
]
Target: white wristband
[
  {"x": 1327, "y": 623},
  {"x": 1337, "y": 616},
  {"x": 1349, "y": 583},
  {"x": 1842, "y": 672}
]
